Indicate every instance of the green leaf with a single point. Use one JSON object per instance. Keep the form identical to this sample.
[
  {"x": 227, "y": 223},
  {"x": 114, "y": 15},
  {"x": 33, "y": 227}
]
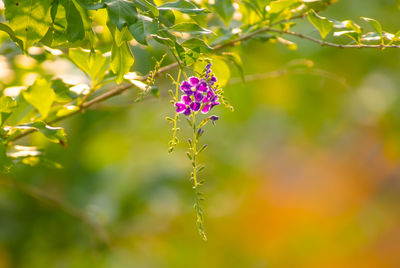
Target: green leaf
[
  {"x": 92, "y": 63},
  {"x": 182, "y": 6},
  {"x": 138, "y": 31},
  {"x": 352, "y": 34},
  {"x": 30, "y": 20},
  {"x": 225, "y": 10},
  {"x": 146, "y": 5},
  {"x": 121, "y": 12},
  {"x": 189, "y": 27},
  {"x": 91, "y": 4},
  {"x": 323, "y": 25},
  {"x": 75, "y": 30},
  {"x": 11, "y": 34},
  {"x": 375, "y": 24},
  {"x": 196, "y": 43},
  {"x": 121, "y": 60},
  {"x": 352, "y": 26},
  {"x": 54, "y": 134},
  {"x": 7, "y": 104},
  {"x": 167, "y": 17},
  {"x": 280, "y": 5},
  {"x": 163, "y": 40},
  {"x": 40, "y": 95},
  {"x": 63, "y": 94}
]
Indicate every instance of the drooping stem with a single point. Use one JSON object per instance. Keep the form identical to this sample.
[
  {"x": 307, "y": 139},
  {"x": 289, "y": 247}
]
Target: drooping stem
[
  {"x": 194, "y": 152},
  {"x": 196, "y": 183}
]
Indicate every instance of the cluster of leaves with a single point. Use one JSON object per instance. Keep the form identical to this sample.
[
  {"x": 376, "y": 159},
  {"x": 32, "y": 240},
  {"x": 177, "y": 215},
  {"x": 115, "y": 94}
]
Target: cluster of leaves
[
  {"x": 352, "y": 30},
  {"x": 97, "y": 37}
]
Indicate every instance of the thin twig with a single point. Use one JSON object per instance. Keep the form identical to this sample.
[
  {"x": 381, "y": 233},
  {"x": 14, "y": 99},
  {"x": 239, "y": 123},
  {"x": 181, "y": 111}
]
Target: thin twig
[{"x": 322, "y": 43}]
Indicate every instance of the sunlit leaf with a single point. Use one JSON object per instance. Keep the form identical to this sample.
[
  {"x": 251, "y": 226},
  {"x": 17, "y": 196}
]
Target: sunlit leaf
[
  {"x": 196, "y": 43},
  {"x": 30, "y": 20},
  {"x": 225, "y": 10},
  {"x": 182, "y": 6},
  {"x": 323, "y": 25},
  {"x": 121, "y": 60},
  {"x": 40, "y": 95},
  {"x": 11, "y": 34},
  {"x": 189, "y": 27},
  {"x": 375, "y": 24},
  {"x": 93, "y": 63},
  {"x": 54, "y": 134}
]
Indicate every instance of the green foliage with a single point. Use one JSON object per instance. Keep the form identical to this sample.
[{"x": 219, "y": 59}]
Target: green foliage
[
  {"x": 93, "y": 63},
  {"x": 121, "y": 60},
  {"x": 41, "y": 96},
  {"x": 29, "y": 20},
  {"x": 323, "y": 25}
]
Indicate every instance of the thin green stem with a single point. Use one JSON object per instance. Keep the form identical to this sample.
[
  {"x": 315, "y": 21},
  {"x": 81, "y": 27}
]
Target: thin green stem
[
  {"x": 174, "y": 140},
  {"x": 194, "y": 151}
]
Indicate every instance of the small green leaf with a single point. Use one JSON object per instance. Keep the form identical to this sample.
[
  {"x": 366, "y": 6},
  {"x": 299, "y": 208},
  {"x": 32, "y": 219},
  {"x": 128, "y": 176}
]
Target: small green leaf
[
  {"x": 167, "y": 17},
  {"x": 11, "y": 34},
  {"x": 323, "y": 25},
  {"x": 189, "y": 27},
  {"x": 91, "y": 4},
  {"x": 121, "y": 12},
  {"x": 75, "y": 29},
  {"x": 30, "y": 20},
  {"x": 92, "y": 63},
  {"x": 7, "y": 104},
  {"x": 196, "y": 43},
  {"x": 352, "y": 34},
  {"x": 146, "y": 5},
  {"x": 225, "y": 10},
  {"x": 182, "y": 6},
  {"x": 40, "y": 95},
  {"x": 138, "y": 31},
  {"x": 54, "y": 134},
  {"x": 375, "y": 24},
  {"x": 121, "y": 60},
  {"x": 352, "y": 26}
]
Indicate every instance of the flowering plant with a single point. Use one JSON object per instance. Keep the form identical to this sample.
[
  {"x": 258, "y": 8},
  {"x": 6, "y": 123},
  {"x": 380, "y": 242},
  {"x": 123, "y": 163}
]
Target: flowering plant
[{"x": 199, "y": 95}]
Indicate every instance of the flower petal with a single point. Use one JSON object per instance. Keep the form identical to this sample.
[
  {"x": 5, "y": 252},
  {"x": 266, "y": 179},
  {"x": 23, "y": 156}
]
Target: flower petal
[
  {"x": 214, "y": 103},
  {"x": 186, "y": 99},
  {"x": 202, "y": 86},
  {"x": 187, "y": 111},
  {"x": 185, "y": 86},
  {"x": 198, "y": 96},
  {"x": 193, "y": 80},
  {"x": 206, "y": 109},
  {"x": 195, "y": 106},
  {"x": 180, "y": 107}
]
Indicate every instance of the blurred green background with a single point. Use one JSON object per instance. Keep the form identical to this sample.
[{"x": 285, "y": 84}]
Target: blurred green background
[{"x": 304, "y": 173}]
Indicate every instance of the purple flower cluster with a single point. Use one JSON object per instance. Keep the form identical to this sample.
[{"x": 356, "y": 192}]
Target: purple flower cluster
[{"x": 199, "y": 94}]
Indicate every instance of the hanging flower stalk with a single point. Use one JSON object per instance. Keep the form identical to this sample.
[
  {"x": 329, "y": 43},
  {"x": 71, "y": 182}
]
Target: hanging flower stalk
[{"x": 199, "y": 95}]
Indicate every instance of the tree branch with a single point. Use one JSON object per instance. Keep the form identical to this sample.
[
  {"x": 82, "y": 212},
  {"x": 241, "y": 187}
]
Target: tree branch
[
  {"x": 315, "y": 40},
  {"x": 120, "y": 89}
]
